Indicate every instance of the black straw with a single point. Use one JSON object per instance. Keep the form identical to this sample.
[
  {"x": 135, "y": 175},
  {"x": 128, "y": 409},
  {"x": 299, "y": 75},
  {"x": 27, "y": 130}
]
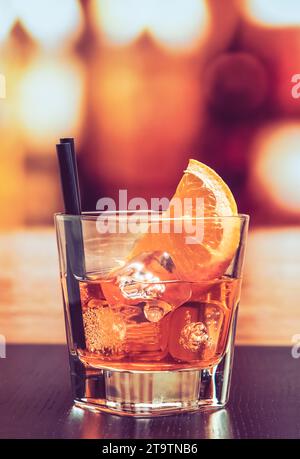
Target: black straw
[
  {"x": 71, "y": 142},
  {"x": 74, "y": 239},
  {"x": 68, "y": 179}
]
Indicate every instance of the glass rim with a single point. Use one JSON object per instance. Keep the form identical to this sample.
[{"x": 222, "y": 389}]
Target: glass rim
[{"x": 94, "y": 215}]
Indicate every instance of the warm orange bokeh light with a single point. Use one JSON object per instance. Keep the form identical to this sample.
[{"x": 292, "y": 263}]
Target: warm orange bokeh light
[
  {"x": 275, "y": 13},
  {"x": 173, "y": 23},
  {"x": 50, "y": 22},
  {"x": 277, "y": 165},
  {"x": 50, "y": 100}
]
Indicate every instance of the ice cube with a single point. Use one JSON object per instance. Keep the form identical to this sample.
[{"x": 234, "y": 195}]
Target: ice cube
[
  {"x": 150, "y": 278},
  {"x": 105, "y": 330},
  {"x": 193, "y": 336},
  {"x": 195, "y": 332},
  {"x": 142, "y": 278}
]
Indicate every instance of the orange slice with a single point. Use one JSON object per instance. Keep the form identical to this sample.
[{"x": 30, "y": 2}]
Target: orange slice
[{"x": 206, "y": 253}]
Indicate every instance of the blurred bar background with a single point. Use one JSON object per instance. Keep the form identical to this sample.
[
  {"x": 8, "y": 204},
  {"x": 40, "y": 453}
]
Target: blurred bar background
[{"x": 143, "y": 86}]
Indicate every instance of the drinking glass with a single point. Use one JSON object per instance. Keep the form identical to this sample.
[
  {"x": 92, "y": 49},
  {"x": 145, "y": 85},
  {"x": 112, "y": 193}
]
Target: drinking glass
[{"x": 148, "y": 334}]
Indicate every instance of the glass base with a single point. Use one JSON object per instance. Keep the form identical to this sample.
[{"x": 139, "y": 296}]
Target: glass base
[
  {"x": 145, "y": 410},
  {"x": 145, "y": 394}
]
